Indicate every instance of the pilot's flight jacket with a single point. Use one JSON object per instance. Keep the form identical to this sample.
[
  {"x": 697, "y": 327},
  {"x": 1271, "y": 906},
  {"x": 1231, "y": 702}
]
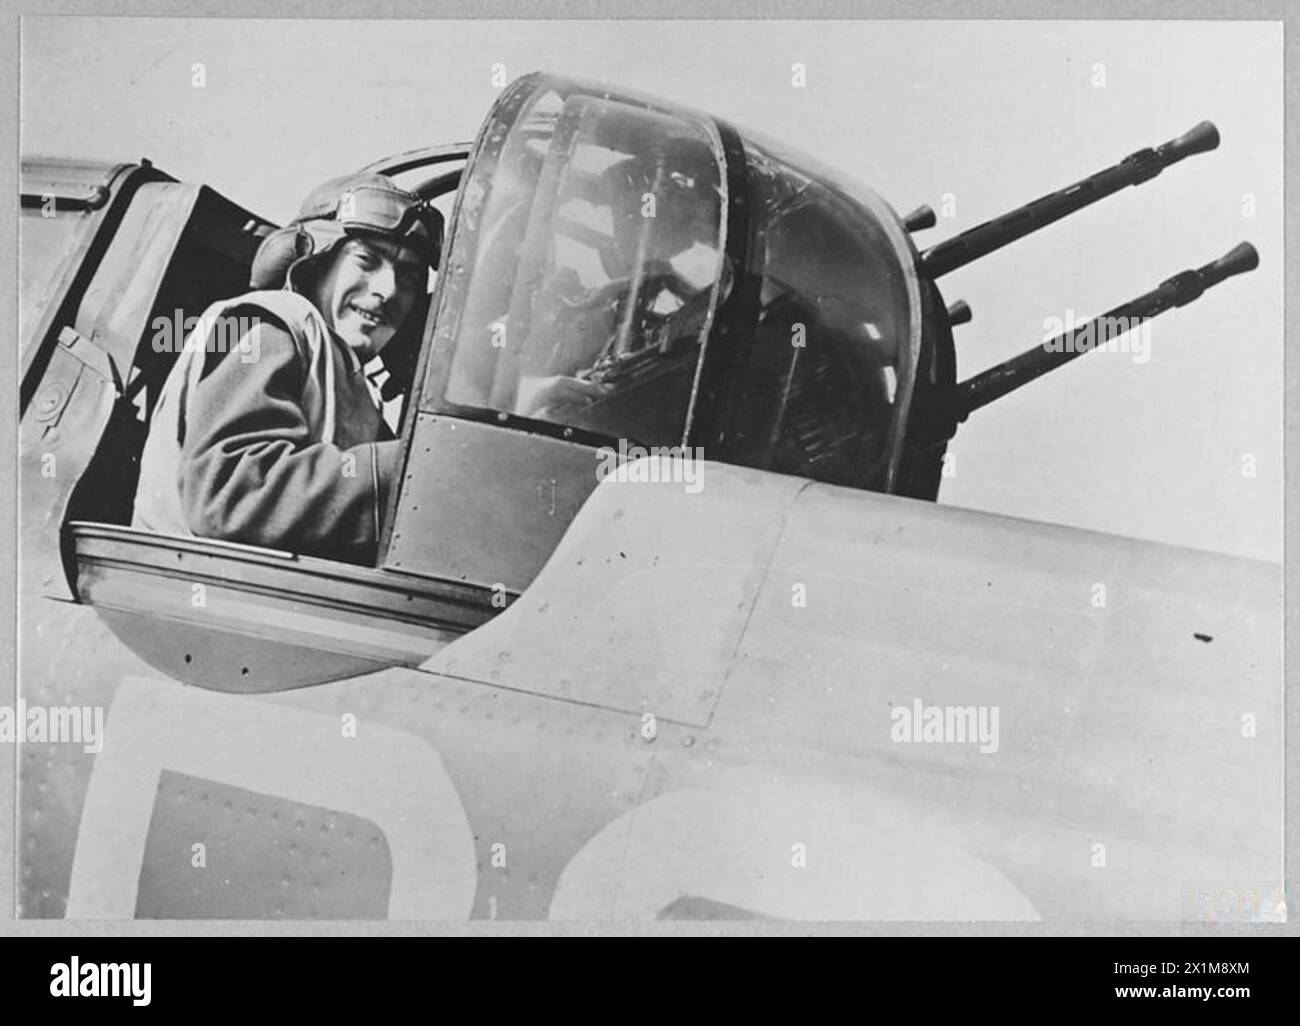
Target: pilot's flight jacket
[
  {"x": 279, "y": 440},
  {"x": 288, "y": 450}
]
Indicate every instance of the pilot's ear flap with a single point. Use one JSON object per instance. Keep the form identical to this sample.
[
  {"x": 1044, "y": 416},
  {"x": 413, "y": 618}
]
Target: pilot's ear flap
[{"x": 276, "y": 255}]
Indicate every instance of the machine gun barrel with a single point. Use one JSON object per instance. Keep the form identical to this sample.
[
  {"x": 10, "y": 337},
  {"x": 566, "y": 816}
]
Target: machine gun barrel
[
  {"x": 1134, "y": 169},
  {"x": 1179, "y": 290}
]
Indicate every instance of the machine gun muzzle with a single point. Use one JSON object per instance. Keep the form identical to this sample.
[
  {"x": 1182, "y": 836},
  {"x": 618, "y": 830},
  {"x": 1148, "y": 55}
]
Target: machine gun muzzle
[
  {"x": 1179, "y": 290},
  {"x": 1002, "y": 231}
]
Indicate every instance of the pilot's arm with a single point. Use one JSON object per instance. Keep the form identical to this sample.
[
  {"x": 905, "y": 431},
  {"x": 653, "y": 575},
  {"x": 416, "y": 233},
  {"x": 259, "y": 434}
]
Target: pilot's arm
[{"x": 252, "y": 472}]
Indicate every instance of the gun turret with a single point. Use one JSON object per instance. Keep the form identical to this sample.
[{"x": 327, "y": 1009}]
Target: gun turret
[{"x": 1134, "y": 169}]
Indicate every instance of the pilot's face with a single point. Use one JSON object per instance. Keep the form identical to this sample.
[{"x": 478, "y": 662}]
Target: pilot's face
[{"x": 368, "y": 291}]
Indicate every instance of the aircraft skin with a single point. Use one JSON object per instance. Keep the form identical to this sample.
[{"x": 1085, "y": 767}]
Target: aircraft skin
[
  {"x": 692, "y": 700},
  {"x": 1119, "y": 726}
]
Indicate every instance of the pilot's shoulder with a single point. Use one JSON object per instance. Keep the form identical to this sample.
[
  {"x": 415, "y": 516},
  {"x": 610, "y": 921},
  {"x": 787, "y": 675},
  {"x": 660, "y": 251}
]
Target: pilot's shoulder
[
  {"x": 275, "y": 323},
  {"x": 283, "y": 309},
  {"x": 255, "y": 341}
]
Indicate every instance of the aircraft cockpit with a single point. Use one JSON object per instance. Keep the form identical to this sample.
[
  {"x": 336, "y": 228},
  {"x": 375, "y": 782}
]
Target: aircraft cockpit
[
  {"x": 621, "y": 274},
  {"x": 624, "y": 270}
]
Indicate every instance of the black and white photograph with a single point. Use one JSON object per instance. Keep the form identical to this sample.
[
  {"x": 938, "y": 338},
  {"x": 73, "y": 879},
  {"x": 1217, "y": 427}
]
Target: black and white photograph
[{"x": 650, "y": 472}]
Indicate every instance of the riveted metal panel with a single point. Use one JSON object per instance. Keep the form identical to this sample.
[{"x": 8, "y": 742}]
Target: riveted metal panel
[
  {"x": 644, "y": 602},
  {"x": 486, "y": 505},
  {"x": 262, "y": 857}
]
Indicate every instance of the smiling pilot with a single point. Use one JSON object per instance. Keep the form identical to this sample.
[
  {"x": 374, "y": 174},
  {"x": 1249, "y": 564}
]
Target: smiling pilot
[{"x": 285, "y": 445}]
